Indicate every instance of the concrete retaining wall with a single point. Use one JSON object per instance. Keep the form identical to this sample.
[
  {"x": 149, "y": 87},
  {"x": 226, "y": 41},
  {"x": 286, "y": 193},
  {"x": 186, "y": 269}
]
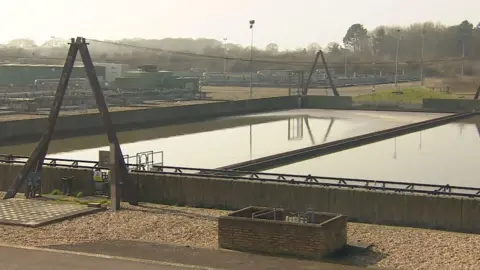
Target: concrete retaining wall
[
  {"x": 327, "y": 102},
  {"x": 451, "y": 105},
  {"x": 91, "y": 123},
  {"x": 436, "y": 212},
  {"x": 51, "y": 178}
]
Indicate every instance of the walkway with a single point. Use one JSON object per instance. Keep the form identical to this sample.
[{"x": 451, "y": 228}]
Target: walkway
[
  {"x": 147, "y": 256},
  {"x": 33, "y": 259}
]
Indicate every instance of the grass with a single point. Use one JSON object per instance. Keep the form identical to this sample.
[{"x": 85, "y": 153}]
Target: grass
[
  {"x": 407, "y": 95},
  {"x": 58, "y": 197}
]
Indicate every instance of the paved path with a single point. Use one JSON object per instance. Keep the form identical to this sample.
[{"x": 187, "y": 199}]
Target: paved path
[
  {"x": 12, "y": 258},
  {"x": 208, "y": 258}
]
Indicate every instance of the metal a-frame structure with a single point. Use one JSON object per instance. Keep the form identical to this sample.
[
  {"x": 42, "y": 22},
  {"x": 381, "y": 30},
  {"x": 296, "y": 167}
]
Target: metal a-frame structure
[
  {"x": 118, "y": 169},
  {"x": 327, "y": 71}
]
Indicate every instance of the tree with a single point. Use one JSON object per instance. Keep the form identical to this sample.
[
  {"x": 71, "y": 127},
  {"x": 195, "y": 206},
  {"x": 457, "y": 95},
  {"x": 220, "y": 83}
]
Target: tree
[
  {"x": 272, "y": 48},
  {"x": 354, "y": 38},
  {"x": 22, "y": 43},
  {"x": 313, "y": 48},
  {"x": 334, "y": 48}
]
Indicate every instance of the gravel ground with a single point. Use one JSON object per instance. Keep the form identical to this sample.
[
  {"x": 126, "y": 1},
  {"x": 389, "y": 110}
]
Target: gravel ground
[{"x": 394, "y": 247}]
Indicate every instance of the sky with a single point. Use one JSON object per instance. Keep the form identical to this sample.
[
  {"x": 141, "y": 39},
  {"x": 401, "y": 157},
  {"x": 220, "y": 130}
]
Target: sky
[{"x": 290, "y": 24}]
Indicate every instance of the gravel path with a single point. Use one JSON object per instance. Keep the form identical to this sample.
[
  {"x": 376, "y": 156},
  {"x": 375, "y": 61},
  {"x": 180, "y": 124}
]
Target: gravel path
[{"x": 394, "y": 247}]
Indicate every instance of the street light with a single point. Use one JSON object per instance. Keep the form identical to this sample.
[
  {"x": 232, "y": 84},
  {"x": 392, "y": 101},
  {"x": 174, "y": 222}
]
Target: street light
[
  {"x": 396, "y": 58},
  {"x": 463, "y": 55},
  {"x": 226, "y": 55},
  {"x": 251, "y": 22},
  {"x": 423, "y": 48}
]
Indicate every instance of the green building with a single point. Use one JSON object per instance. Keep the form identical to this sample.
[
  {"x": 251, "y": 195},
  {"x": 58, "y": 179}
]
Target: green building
[
  {"x": 25, "y": 74},
  {"x": 151, "y": 79}
]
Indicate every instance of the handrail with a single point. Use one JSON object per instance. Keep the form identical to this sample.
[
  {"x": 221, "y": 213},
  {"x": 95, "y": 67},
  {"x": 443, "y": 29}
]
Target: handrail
[{"x": 293, "y": 179}]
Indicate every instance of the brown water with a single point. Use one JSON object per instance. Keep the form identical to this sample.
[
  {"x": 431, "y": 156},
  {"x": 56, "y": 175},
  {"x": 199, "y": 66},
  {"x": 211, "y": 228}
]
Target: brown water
[
  {"x": 448, "y": 154},
  {"x": 226, "y": 141}
]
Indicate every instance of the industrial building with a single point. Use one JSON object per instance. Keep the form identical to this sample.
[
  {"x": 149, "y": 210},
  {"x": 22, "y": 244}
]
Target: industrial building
[
  {"x": 112, "y": 70},
  {"x": 26, "y": 74},
  {"x": 150, "y": 78}
]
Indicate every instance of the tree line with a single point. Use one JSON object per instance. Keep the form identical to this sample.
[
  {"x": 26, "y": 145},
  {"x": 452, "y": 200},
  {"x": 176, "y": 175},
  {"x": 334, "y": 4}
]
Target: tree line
[{"x": 442, "y": 49}]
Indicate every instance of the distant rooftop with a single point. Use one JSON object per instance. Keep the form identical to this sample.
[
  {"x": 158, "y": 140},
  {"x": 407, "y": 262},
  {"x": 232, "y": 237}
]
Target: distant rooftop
[{"x": 34, "y": 65}]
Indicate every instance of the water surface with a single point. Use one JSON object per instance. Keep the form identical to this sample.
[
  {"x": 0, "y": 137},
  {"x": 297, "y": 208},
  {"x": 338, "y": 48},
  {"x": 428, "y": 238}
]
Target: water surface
[{"x": 448, "y": 154}]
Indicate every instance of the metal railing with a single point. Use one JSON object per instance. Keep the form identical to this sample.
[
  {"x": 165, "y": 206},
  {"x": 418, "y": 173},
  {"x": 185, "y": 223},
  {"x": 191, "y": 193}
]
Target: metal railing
[
  {"x": 293, "y": 179},
  {"x": 339, "y": 182},
  {"x": 69, "y": 163}
]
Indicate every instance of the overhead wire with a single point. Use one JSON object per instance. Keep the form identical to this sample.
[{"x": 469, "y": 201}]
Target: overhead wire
[
  {"x": 216, "y": 57},
  {"x": 191, "y": 54}
]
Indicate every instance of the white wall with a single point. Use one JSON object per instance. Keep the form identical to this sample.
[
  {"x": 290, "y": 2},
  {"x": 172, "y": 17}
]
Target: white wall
[{"x": 112, "y": 70}]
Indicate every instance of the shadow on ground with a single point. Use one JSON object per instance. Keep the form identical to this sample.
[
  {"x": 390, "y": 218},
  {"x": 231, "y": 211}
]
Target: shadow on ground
[{"x": 357, "y": 253}]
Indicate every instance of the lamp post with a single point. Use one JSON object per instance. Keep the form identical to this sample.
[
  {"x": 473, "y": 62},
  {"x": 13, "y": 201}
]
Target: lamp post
[
  {"x": 226, "y": 55},
  {"x": 396, "y": 58},
  {"x": 423, "y": 48},
  {"x": 463, "y": 55},
  {"x": 251, "y": 22}
]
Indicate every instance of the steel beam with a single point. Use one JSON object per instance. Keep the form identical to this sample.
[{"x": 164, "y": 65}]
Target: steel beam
[
  {"x": 332, "y": 84},
  {"x": 113, "y": 179},
  {"x": 312, "y": 70},
  {"x": 35, "y": 161},
  {"x": 129, "y": 187},
  {"x": 37, "y": 157}
]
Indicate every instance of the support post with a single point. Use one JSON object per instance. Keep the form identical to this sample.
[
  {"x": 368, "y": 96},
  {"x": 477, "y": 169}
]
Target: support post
[
  {"x": 38, "y": 155},
  {"x": 35, "y": 161},
  {"x": 113, "y": 179},
  {"x": 332, "y": 84},
  {"x": 129, "y": 188},
  {"x": 477, "y": 93},
  {"x": 312, "y": 70}
]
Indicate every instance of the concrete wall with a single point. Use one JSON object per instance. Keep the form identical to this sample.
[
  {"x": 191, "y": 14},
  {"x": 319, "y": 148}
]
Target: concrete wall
[
  {"x": 327, "y": 102},
  {"x": 51, "y": 178},
  {"x": 451, "y": 105},
  {"x": 91, "y": 123},
  {"x": 280, "y": 237},
  {"x": 437, "y": 212}
]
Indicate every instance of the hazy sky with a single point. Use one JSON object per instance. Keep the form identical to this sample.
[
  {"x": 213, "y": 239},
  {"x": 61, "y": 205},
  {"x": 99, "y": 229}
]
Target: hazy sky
[{"x": 291, "y": 24}]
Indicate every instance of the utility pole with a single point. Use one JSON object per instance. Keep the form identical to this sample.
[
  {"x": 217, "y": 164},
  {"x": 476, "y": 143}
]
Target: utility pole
[
  {"x": 463, "y": 56},
  {"x": 252, "y": 22},
  {"x": 345, "y": 52},
  {"x": 423, "y": 48},
  {"x": 226, "y": 55},
  {"x": 396, "y": 59}
]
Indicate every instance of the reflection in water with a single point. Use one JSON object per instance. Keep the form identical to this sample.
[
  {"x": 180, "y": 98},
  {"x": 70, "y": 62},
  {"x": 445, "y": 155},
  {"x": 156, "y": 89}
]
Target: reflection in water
[
  {"x": 217, "y": 148},
  {"x": 447, "y": 154},
  {"x": 295, "y": 128}
]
